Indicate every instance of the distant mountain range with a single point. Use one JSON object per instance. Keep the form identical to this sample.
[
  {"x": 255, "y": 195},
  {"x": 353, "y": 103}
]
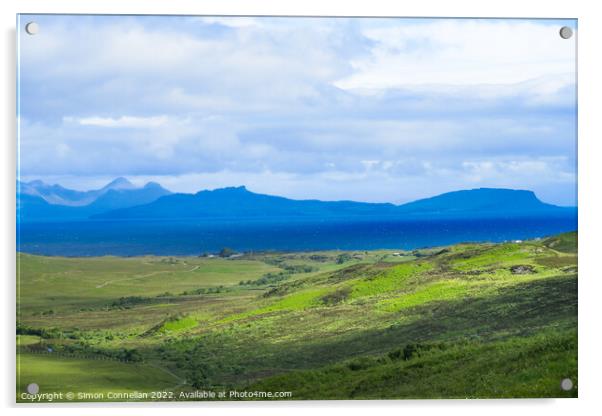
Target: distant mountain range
[
  {"x": 38, "y": 201},
  {"x": 121, "y": 200},
  {"x": 58, "y": 195}
]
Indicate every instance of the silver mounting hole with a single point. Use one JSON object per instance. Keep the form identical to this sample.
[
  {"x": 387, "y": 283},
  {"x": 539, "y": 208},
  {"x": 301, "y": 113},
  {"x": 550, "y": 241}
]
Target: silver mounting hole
[
  {"x": 32, "y": 28},
  {"x": 566, "y": 384},
  {"x": 566, "y": 32},
  {"x": 33, "y": 388}
]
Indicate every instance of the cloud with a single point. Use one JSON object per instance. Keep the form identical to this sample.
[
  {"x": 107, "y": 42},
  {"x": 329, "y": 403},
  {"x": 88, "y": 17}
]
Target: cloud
[
  {"x": 554, "y": 169},
  {"x": 121, "y": 122},
  {"x": 370, "y": 109},
  {"x": 235, "y": 22},
  {"x": 462, "y": 52}
]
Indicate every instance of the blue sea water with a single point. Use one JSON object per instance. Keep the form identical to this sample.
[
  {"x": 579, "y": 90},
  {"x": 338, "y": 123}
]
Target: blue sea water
[{"x": 192, "y": 237}]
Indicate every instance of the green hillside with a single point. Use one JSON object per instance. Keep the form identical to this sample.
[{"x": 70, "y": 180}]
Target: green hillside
[{"x": 470, "y": 320}]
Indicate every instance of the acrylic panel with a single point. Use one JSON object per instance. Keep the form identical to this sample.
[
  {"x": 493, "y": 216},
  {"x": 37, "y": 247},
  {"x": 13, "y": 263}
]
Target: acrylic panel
[{"x": 293, "y": 208}]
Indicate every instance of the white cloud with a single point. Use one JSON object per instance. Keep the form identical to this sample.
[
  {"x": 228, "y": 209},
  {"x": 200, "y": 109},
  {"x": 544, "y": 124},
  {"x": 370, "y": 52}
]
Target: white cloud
[
  {"x": 462, "y": 52},
  {"x": 121, "y": 122},
  {"x": 547, "y": 176},
  {"x": 236, "y": 22}
]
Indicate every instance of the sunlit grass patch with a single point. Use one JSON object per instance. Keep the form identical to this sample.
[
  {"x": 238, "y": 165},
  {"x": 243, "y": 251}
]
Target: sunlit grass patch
[
  {"x": 389, "y": 280},
  {"x": 296, "y": 301},
  {"x": 504, "y": 276},
  {"x": 24, "y": 340},
  {"x": 180, "y": 324},
  {"x": 437, "y": 291},
  {"x": 505, "y": 254},
  {"x": 487, "y": 283}
]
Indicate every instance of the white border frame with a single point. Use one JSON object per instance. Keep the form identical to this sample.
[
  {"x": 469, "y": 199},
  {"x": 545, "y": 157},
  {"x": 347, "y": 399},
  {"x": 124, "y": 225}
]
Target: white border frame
[{"x": 590, "y": 231}]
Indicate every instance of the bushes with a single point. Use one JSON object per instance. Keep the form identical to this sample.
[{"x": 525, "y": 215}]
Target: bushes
[
  {"x": 123, "y": 354},
  {"x": 27, "y": 330},
  {"x": 272, "y": 278},
  {"x": 410, "y": 351},
  {"x": 319, "y": 258},
  {"x": 343, "y": 258},
  {"x": 266, "y": 279},
  {"x": 361, "y": 363},
  {"x": 206, "y": 290},
  {"x": 337, "y": 296},
  {"x": 299, "y": 268},
  {"x": 83, "y": 348},
  {"x": 41, "y": 332},
  {"x": 226, "y": 252},
  {"x": 127, "y": 302},
  {"x": 131, "y": 355}
]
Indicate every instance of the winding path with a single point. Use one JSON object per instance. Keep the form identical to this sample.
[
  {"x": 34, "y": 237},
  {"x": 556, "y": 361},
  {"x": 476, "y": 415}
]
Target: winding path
[
  {"x": 139, "y": 276},
  {"x": 181, "y": 381}
]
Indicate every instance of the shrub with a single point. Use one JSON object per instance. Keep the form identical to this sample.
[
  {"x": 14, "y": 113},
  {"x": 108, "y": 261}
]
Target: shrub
[
  {"x": 300, "y": 268},
  {"x": 360, "y": 363},
  {"x": 337, "y": 296},
  {"x": 343, "y": 258},
  {"x": 226, "y": 252}
]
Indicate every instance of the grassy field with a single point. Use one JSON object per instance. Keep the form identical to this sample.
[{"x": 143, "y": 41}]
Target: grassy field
[
  {"x": 74, "y": 374},
  {"x": 470, "y": 320}
]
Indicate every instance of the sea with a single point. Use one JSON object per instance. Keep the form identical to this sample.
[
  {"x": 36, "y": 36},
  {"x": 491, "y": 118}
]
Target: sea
[{"x": 196, "y": 237}]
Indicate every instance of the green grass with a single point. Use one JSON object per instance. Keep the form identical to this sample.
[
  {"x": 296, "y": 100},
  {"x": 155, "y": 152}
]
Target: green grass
[
  {"x": 517, "y": 367},
  {"x": 390, "y": 280},
  {"x": 497, "y": 256},
  {"x": 53, "y": 373},
  {"x": 179, "y": 324},
  {"x": 57, "y": 283},
  {"x": 479, "y": 308},
  {"x": 438, "y": 291},
  {"x": 25, "y": 340},
  {"x": 294, "y": 302},
  {"x": 566, "y": 243}
]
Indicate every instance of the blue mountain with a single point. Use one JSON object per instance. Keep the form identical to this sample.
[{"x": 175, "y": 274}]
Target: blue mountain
[
  {"x": 116, "y": 198},
  {"x": 37, "y": 201},
  {"x": 35, "y": 208},
  {"x": 120, "y": 199},
  {"x": 58, "y": 195},
  {"x": 238, "y": 202},
  {"x": 482, "y": 202}
]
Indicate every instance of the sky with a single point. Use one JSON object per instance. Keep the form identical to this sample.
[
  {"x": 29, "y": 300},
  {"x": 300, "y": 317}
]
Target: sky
[{"x": 366, "y": 109}]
